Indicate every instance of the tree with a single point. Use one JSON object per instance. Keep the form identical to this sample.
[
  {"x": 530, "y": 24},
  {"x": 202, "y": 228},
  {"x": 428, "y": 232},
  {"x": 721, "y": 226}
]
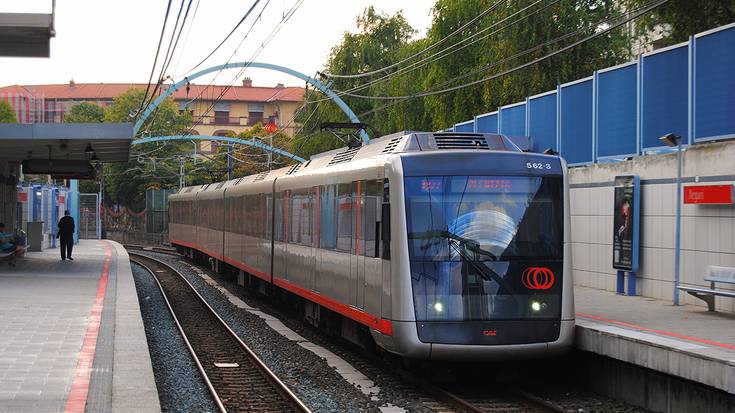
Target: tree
[
  {"x": 678, "y": 19},
  {"x": 512, "y": 34},
  {"x": 85, "y": 112},
  {"x": 7, "y": 114},
  {"x": 152, "y": 165},
  {"x": 516, "y": 37},
  {"x": 380, "y": 41}
]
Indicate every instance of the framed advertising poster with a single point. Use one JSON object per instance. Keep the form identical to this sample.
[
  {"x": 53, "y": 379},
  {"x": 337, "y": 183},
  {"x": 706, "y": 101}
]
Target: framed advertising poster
[{"x": 626, "y": 214}]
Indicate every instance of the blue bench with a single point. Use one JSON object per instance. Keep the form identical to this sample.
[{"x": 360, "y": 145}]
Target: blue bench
[{"x": 715, "y": 274}]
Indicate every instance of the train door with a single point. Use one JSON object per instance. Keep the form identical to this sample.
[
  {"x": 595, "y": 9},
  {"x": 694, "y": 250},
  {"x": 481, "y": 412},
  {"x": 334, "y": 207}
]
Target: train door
[
  {"x": 357, "y": 259},
  {"x": 314, "y": 216}
]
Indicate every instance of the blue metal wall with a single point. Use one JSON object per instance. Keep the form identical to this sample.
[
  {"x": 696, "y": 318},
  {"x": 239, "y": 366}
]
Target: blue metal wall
[
  {"x": 487, "y": 123},
  {"x": 575, "y": 122},
  {"x": 664, "y": 91},
  {"x": 617, "y": 99},
  {"x": 542, "y": 122},
  {"x": 468, "y": 126},
  {"x": 513, "y": 120},
  {"x": 687, "y": 89}
]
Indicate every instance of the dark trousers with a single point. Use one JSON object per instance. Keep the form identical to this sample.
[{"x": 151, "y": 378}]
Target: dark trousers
[{"x": 66, "y": 244}]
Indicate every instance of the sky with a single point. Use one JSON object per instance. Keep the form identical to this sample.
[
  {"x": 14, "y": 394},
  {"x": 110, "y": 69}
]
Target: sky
[{"x": 115, "y": 41}]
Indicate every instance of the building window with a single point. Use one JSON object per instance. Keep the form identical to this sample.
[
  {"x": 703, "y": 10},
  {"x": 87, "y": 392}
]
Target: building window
[
  {"x": 221, "y": 117},
  {"x": 255, "y": 113}
]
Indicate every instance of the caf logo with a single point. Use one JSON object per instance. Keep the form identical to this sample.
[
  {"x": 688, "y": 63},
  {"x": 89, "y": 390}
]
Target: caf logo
[{"x": 537, "y": 278}]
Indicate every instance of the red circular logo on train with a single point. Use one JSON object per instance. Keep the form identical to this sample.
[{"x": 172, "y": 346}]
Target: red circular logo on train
[{"x": 537, "y": 278}]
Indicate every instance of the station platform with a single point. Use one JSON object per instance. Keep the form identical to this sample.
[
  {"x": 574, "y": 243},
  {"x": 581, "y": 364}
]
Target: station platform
[
  {"x": 72, "y": 334},
  {"x": 685, "y": 341}
]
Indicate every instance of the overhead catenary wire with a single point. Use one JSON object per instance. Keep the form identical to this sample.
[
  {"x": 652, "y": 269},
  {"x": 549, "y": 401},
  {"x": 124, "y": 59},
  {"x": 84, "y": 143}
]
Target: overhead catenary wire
[
  {"x": 631, "y": 16},
  {"x": 171, "y": 47},
  {"x": 449, "y": 50},
  {"x": 234, "y": 29},
  {"x": 206, "y": 89},
  {"x": 430, "y": 47},
  {"x": 155, "y": 59},
  {"x": 284, "y": 19},
  {"x": 186, "y": 38}
]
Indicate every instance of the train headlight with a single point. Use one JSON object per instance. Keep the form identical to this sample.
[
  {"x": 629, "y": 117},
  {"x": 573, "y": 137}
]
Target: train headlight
[
  {"x": 536, "y": 306},
  {"x": 439, "y": 307}
]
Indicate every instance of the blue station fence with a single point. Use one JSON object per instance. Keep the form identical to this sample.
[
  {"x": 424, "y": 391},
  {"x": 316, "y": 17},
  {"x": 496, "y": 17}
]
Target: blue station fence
[{"x": 687, "y": 89}]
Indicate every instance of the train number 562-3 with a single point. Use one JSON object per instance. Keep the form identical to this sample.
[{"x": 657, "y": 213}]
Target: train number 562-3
[{"x": 538, "y": 165}]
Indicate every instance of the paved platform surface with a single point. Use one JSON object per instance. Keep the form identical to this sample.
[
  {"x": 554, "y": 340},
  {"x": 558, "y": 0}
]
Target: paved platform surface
[
  {"x": 686, "y": 341},
  {"x": 72, "y": 335}
]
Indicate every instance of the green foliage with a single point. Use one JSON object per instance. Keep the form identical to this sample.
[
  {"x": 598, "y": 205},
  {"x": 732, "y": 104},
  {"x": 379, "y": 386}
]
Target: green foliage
[
  {"x": 151, "y": 165},
  {"x": 165, "y": 120},
  {"x": 7, "y": 114},
  {"x": 85, "y": 112},
  {"x": 682, "y": 18},
  {"x": 382, "y": 40}
]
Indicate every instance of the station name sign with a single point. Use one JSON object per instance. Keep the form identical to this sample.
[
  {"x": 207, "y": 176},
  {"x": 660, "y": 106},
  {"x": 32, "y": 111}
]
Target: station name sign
[{"x": 709, "y": 194}]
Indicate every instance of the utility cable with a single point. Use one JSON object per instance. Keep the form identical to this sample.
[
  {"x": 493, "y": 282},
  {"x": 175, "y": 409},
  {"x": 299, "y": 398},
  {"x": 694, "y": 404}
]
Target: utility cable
[
  {"x": 450, "y": 49},
  {"x": 430, "y": 47},
  {"x": 633, "y": 16},
  {"x": 642, "y": 10},
  {"x": 171, "y": 49},
  {"x": 244, "y": 17},
  {"x": 155, "y": 60}
]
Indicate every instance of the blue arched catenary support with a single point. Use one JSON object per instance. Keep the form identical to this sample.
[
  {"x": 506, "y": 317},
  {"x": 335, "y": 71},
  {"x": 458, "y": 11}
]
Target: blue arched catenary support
[
  {"x": 256, "y": 144},
  {"x": 316, "y": 83}
]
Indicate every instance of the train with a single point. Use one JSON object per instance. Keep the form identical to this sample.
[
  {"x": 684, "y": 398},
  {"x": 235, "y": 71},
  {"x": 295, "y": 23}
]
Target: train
[{"x": 435, "y": 245}]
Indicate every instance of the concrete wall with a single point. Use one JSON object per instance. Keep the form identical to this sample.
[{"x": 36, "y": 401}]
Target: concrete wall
[{"x": 708, "y": 232}]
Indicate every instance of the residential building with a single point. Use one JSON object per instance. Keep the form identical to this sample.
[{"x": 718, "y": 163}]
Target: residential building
[{"x": 217, "y": 110}]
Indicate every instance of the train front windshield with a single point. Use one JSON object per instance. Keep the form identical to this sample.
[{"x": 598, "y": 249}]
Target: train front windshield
[{"x": 485, "y": 247}]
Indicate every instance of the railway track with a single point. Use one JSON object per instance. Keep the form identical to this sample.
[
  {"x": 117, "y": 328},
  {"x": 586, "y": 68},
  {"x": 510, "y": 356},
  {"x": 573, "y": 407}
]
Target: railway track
[
  {"x": 160, "y": 250},
  {"x": 506, "y": 400},
  {"x": 237, "y": 379},
  {"x": 468, "y": 398}
]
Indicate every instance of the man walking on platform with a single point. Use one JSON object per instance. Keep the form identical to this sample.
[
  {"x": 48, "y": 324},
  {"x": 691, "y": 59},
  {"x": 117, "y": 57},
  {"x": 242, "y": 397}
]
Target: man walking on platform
[{"x": 66, "y": 235}]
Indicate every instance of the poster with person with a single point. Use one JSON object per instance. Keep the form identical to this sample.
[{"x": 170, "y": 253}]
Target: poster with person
[{"x": 625, "y": 223}]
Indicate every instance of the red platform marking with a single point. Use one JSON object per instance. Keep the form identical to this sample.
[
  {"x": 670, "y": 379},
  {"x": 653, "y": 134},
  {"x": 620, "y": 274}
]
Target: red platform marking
[
  {"x": 77, "y": 398},
  {"x": 655, "y": 331}
]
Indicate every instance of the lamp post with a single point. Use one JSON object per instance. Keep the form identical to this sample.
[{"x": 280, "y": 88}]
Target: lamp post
[{"x": 672, "y": 140}]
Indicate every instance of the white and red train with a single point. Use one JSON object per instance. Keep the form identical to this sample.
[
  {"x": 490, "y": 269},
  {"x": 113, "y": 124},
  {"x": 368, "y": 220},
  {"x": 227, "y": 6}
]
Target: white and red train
[{"x": 447, "y": 246}]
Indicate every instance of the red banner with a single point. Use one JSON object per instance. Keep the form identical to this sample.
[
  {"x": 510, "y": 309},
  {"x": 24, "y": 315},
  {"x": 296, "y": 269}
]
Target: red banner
[
  {"x": 22, "y": 196},
  {"x": 708, "y": 194}
]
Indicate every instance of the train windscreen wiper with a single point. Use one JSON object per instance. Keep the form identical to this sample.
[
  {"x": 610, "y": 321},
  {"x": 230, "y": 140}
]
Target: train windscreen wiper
[
  {"x": 468, "y": 243},
  {"x": 462, "y": 245}
]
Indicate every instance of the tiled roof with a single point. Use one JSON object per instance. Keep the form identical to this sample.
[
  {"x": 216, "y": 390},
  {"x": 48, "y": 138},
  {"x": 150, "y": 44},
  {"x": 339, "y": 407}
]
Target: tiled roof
[{"x": 94, "y": 91}]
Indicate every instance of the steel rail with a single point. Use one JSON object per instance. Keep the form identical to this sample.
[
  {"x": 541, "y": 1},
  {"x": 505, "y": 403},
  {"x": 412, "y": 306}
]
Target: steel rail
[
  {"x": 529, "y": 398},
  {"x": 263, "y": 369}
]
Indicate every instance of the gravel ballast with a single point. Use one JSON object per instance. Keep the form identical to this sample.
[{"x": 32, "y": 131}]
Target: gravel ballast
[
  {"x": 318, "y": 384},
  {"x": 180, "y": 386}
]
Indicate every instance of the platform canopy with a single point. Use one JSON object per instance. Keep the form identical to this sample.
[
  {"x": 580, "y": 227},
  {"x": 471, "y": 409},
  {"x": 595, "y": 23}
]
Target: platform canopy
[
  {"x": 26, "y": 34},
  {"x": 110, "y": 142}
]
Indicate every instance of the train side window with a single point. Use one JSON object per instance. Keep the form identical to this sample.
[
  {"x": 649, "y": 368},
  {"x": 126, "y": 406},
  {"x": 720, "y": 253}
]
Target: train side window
[
  {"x": 251, "y": 214},
  {"x": 268, "y": 216},
  {"x": 306, "y": 217},
  {"x": 294, "y": 216},
  {"x": 385, "y": 221},
  {"x": 279, "y": 215},
  {"x": 369, "y": 198},
  {"x": 254, "y": 217},
  {"x": 344, "y": 217},
  {"x": 327, "y": 217}
]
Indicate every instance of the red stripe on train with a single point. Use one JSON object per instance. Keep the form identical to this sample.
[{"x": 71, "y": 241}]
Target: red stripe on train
[{"x": 382, "y": 325}]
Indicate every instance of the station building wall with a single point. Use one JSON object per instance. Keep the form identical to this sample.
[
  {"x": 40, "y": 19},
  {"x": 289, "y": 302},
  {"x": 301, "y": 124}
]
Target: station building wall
[{"x": 707, "y": 231}]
